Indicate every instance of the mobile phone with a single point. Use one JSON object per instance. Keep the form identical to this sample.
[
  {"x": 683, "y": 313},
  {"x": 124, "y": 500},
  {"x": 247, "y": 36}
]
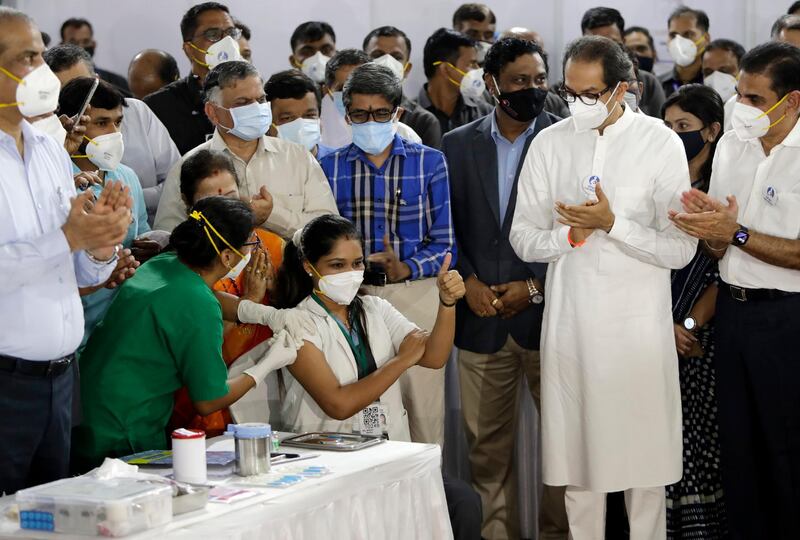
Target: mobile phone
[{"x": 76, "y": 119}]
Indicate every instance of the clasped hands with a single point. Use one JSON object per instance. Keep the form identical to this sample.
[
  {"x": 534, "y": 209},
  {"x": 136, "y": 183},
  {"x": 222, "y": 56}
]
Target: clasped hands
[
  {"x": 707, "y": 218},
  {"x": 585, "y": 218}
]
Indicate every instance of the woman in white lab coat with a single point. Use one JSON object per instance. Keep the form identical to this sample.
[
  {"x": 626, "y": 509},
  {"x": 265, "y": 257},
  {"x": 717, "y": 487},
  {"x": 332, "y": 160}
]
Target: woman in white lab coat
[{"x": 345, "y": 376}]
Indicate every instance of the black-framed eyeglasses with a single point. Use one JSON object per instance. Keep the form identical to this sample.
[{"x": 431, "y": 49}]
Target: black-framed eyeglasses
[
  {"x": 254, "y": 243},
  {"x": 360, "y": 116},
  {"x": 215, "y": 34},
  {"x": 587, "y": 98}
]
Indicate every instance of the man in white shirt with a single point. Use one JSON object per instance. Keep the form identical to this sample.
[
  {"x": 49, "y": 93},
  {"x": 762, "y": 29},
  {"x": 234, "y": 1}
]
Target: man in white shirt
[
  {"x": 149, "y": 150},
  {"x": 49, "y": 246},
  {"x": 593, "y": 201},
  {"x": 283, "y": 182},
  {"x": 755, "y": 234}
]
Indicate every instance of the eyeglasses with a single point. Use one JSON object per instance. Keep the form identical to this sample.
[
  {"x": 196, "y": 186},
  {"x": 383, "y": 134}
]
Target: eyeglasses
[
  {"x": 255, "y": 243},
  {"x": 215, "y": 34},
  {"x": 587, "y": 98},
  {"x": 360, "y": 116}
]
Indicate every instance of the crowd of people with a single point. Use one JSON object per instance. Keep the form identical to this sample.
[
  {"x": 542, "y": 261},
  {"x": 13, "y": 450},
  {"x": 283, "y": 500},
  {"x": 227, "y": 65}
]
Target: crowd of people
[{"x": 626, "y": 242}]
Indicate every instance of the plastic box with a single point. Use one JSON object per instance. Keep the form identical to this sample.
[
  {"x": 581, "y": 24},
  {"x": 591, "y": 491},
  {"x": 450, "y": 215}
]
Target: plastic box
[{"x": 88, "y": 506}]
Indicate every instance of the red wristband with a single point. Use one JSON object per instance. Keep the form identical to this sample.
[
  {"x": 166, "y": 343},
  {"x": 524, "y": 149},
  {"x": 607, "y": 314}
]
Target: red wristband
[{"x": 571, "y": 242}]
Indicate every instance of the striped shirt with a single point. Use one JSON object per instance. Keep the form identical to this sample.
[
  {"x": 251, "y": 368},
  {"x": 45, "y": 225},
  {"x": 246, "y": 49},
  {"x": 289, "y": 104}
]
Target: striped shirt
[{"x": 407, "y": 197}]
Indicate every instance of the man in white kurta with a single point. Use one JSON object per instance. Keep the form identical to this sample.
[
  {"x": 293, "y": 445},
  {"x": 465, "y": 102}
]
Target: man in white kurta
[{"x": 611, "y": 407}]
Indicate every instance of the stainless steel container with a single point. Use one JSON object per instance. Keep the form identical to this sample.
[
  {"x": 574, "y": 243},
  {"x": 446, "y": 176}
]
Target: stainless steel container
[{"x": 253, "y": 443}]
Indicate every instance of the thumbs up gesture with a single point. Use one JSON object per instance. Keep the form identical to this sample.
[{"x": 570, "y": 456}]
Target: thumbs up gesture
[{"x": 450, "y": 283}]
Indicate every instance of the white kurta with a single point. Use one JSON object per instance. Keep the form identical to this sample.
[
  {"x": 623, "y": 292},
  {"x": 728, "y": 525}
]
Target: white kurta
[
  {"x": 386, "y": 329},
  {"x": 611, "y": 405}
]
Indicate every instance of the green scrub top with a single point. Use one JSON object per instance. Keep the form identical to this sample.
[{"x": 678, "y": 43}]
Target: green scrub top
[{"x": 163, "y": 331}]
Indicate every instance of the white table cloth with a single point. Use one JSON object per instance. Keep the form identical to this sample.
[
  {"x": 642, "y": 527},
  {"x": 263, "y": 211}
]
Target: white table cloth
[{"x": 390, "y": 491}]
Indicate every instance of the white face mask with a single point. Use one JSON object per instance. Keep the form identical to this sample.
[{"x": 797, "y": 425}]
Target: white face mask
[
  {"x": 304, "y": 131},
  {"x": 723, "y": 83},
  {"x": 52, "y": 126},
  {"x": 631, "y": 100},
  {"x": 751, "y": 122},
  {"x": 483, "y": 48},
  {"x": 472, "y": 87},
  {"x": 343, "y": 287},
  {"x": 682, "y": 50},
  {"x": 222, "y": 51},
  {"x": 37, "y": 92},
  {"x": 392, "y": 63},
  {"x": 236, "y": 270},
  {"x": 586, "y": 117},
  {"x": 106, "y": 151},
  {"x": 314, "y": 67}
]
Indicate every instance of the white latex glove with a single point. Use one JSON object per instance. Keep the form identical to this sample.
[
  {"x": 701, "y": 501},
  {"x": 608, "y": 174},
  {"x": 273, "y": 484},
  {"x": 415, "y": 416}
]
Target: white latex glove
[
  {"x": 281, "y": 353},
  {"x": 296, "y": 322}
]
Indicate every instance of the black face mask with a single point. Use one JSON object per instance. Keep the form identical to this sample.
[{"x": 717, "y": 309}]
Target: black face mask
[
  {"x": 523, "y": 105},
  {"x": 645, "y": 63},
  {"x": 693, "y": 143}
]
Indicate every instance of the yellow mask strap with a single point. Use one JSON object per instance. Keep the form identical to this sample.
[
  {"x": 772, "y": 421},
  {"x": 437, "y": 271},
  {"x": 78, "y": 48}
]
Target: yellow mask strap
[
  {"x": 455, "y": 68},
  {"x": 195, "y": 47},
  {"x": 206, "y": 226},
  {"x": 19, "y": 81},
  {"x": 82, "y": 155}
]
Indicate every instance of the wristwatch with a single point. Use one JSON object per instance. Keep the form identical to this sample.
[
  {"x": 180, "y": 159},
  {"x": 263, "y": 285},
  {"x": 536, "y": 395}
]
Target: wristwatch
[
  {"x": 741, "y": 236},
  {"x": 534, "y": 295},
  {"x": 690, "y": 323}
]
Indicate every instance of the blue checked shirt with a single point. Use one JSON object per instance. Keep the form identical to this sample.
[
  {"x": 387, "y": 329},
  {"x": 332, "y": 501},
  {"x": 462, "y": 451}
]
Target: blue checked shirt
[{"x": 408, "y": 198}]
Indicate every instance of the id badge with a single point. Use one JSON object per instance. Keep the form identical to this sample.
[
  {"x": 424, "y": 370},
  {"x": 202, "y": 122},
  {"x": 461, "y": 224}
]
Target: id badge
[
  {"x": 588, "y": 186},
  {"x": 372, "y": 420}
]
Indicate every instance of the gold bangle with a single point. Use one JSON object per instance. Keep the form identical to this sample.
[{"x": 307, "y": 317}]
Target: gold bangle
[{"x": 715, "y": 250}]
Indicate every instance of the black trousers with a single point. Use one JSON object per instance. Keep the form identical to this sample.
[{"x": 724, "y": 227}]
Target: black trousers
[
  {"x": 464, "y": 507},
  {"x": 758, "y": 391},
  {"x": 35, "y": 421}
]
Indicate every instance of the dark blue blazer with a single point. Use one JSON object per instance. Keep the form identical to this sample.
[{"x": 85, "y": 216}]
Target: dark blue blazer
[{"x": 483, "y": 246}]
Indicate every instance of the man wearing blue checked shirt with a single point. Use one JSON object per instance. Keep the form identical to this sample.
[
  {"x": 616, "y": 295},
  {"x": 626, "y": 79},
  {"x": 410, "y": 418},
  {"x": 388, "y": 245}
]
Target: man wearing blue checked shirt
[{"x": 396, "y": 192}]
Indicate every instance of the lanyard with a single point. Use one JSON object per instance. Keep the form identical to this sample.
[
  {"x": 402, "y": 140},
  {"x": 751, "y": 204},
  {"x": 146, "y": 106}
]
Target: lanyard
[{"x": 359, "y": 351}]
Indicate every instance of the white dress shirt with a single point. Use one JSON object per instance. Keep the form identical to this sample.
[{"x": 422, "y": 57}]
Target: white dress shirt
[
  {"x": 767, "y": 189},
  {"x": 292, "y": 175},
  {"x": 611, "y": 402},
  {"x": 40, "y": 311},
  {"x": 149, "y": 150},
  {"x": 386, "y": 329}
]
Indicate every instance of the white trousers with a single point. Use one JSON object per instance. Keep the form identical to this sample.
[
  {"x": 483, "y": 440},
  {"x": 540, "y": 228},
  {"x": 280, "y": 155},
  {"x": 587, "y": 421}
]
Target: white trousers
[{"x": 647, "y": 513}]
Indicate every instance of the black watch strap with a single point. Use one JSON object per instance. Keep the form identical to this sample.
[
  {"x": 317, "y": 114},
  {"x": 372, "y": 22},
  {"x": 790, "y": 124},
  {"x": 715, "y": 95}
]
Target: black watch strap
[{"x": 741, "y": 236}]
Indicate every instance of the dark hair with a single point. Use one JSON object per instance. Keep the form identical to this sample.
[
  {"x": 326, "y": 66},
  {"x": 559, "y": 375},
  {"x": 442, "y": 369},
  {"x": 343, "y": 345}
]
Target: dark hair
[
  {"x": 75, "y": 22},
  {"x": 189, "y": 20},
  {"x": 778, "y": 61},
  {"x": 727, "y": 45},
  {"x": 62, "y": 57},
  {"x": 599, "y": 17},
  {"x": 703, "y": 102},
  {"x": 75, "y": 91},
  {"x": 373, "y": 79},
  {"x": 617, "y": 66},
  {"x": 795, "y": 7},
  {"x": 231, "y": 218},
  {"x": 244, "y": 28},
  {"x": 201, "y": 165},
  {"x": 473, "y": 12},
  {"x": 291, "y": 84},
  {"x": 317, "y": 239},
  {"x": 45, "y": 38},
  {"x": 700, "y": 16},
  {"x": 641, "y": 30},
  {"x": 387, "y": 31},
  {"x": 311, "y": 31},
  {"x": 225, "y": 74},
  {"x": 443, "y": 46},
  {"x": 785, "y": 22},
  {"x": 344, "y": 57},
  {"x": 508, "y": 50}
]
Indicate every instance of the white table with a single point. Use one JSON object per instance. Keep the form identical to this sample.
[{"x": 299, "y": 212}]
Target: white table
[{"x": 390, "y": 491}]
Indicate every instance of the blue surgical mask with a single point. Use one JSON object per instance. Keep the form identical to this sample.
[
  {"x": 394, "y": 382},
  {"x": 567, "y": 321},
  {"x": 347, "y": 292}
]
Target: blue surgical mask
[
  {"x": 250, "y": 121},
  {"x": 304, "y": 131},
  {"x": 338, "y": 102},
  {"x": 374, "y": 137}
]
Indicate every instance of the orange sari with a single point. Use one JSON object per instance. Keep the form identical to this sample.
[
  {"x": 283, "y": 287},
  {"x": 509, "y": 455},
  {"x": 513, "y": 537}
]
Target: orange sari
[{"x": 238, "y": 339}]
